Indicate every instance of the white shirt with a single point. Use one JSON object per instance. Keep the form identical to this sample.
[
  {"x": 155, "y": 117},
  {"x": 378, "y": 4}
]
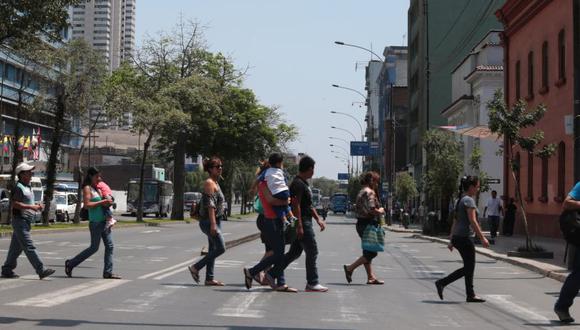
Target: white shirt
[
  {"x": 493, "y": 206},
  {"x": 275, "y": 180}
]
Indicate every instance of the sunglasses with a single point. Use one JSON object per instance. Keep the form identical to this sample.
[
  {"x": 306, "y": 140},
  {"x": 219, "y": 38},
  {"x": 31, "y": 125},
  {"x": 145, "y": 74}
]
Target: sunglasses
[{"x": 217, "y": 166}]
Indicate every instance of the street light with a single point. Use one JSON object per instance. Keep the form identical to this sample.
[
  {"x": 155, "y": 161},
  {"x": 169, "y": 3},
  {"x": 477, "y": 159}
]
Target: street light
[
  {"x": 350, "y": 89},
  {"x": 339, "y": 139},
  {"x": 336, "y": 146},
  {"x": 360, "y": 47},
  {"x": 358, "y": 122},
  {"x": 344, "y": 130}
]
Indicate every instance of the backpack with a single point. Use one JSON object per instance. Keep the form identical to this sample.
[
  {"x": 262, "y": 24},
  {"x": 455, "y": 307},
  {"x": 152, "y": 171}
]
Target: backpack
[{"x": 570, "y": 227}]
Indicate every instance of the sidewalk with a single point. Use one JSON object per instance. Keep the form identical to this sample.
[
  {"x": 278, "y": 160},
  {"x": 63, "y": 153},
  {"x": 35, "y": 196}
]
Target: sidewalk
[{"x": 552, "y": 268}]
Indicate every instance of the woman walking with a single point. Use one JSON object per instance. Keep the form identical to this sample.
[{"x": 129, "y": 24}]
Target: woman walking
[
  {"x": 95, "y": 203},
  {"x": 260, "y": 221},
  {"x": 211, "y": 212},
  {"x": 368, "y": 210},
  {"x": 461, "y": 238}
]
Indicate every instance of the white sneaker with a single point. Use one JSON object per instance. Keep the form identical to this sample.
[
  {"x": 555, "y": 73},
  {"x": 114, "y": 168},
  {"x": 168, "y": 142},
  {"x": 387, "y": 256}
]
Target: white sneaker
[{"x": 315, "y": 288}]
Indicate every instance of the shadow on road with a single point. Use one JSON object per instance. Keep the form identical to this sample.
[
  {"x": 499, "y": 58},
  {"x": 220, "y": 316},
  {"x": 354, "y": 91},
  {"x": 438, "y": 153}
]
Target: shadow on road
[{"x": 440, "y": 302}]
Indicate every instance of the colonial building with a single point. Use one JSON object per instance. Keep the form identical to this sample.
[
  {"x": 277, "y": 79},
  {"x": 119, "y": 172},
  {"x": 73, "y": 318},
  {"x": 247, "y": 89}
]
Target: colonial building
[{"x": 539, "y": 61}]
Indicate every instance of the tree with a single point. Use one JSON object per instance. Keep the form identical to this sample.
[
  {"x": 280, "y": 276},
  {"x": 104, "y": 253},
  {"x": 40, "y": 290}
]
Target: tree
[
  {"x": 475, "y": 165},
  {"x": 444, "y": 168},
  {"x": 327, "y": 186},
  {"x": 354, "y": 186},
  {"x": 405, "y": 187},
  {"x": 508, "y": 124},
  {"x": 194, "y": 180},
  {"x": 23, "y": 20},
  {"x": 245, "y": 176}
]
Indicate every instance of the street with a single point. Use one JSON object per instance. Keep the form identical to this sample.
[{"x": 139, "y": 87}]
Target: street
[{"x": 157, "y": 291}]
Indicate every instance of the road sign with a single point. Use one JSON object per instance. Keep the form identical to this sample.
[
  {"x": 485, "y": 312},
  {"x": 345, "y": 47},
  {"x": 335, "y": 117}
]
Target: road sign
[
  {"x": 493, "y": 181},
  {"x": 374, "y": 151},
  {"x": 360, "y": 148},
  {"x": 343, "y": 176}
]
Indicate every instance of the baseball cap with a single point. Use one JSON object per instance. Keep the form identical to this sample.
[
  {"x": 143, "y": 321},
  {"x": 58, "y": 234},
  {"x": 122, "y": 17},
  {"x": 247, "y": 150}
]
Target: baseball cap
[{"x": 24, "y": 167}]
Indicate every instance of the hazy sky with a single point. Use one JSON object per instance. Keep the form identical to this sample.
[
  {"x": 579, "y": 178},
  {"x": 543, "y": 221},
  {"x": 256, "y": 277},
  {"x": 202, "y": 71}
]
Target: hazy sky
[{"x": 289, "y": 47}]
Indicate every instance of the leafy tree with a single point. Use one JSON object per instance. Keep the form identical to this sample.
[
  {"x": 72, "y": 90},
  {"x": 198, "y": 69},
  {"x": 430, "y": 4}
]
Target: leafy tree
[
  {"x": 194, "y": 180},
  {"x": 327, "y": 186},
  {"x": 354, "y": 186},
  {"x": 23, "y": 20},
  {"x": 475, "y": 165},
  {"x": 444, "y": 167},
  {"x": 405, "y": 187},
  {"x": 508, "y": 124}
]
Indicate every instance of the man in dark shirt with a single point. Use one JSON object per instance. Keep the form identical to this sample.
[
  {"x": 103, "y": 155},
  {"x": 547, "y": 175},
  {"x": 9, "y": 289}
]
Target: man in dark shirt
[
  {"x": 302, "y": 208},
  {"x": 24, "y": 210}
]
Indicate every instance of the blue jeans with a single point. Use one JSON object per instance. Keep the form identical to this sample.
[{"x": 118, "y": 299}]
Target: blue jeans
[
  {"x": 98, "y": 232},
  {"x": 571, "y": 285},
  {"x": 21, "y": 242},
  {"x": 273, "y": 232},
  {"x": 309, "y": 246},
  {"x": 216, "y": 247}
]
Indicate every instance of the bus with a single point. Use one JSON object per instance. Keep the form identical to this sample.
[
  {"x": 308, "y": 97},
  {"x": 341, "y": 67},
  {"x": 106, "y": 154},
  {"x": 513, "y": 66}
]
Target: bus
[
  {"x": 157, "y": 197},
  {"x": 339, "y": 203}
]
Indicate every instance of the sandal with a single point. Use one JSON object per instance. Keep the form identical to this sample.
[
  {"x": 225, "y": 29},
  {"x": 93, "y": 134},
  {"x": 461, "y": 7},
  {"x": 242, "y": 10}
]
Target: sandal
[
  {"x": 247, "y": 278},
  {"x": 376, "y": 281},
  {"x": 260, "y": 278},
  {"x": 347, "y": 273},
  {"x": 194, "y": 273},
  {"x": 285, "y": 288},
  {"x": 214, "y": 283}
]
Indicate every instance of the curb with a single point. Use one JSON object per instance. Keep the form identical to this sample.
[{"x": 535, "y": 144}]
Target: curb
[
  {"x": 242, "y": 240},
  {"x": 547, "y": 270}
]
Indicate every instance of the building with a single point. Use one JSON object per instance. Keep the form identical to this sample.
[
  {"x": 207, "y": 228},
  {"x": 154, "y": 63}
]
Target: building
[
  {"x": 441, "y": 33},
  {"x": 372, "y": 118},
  {"x": 109, "y": 26},
  {"x": 473, "y": 84},
  {"x": 393, "y": 105},
  {"x": 539, "y": 68}
]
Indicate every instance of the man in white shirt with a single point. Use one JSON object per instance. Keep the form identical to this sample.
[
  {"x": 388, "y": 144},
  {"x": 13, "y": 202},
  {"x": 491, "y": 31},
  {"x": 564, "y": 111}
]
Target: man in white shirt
[{"x": 493, "y": 209}]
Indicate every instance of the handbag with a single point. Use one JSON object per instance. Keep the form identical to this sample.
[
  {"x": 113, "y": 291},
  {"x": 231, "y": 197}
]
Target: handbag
[
  {"x": 373, "y": 239},
  {"x": 258, "y": 205}
]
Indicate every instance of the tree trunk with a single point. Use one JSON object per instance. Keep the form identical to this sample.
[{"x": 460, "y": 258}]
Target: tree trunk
[
  {"x": 178, "y": 178},
  {"x": 142, "y": 177},
  {"x": 53, "y": 159},
  {"x": 522, "y": 207}
]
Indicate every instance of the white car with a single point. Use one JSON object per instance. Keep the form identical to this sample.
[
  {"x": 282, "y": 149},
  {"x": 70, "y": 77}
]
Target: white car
[{"x": 66, "y": 204}]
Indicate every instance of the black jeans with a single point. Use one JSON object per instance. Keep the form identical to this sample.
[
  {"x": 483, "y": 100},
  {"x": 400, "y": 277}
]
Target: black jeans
[
  {"x": 309, "y": 246},
  {"x": 571, "y": 285},
  {"x": 361, "y": 225},
  {"x": 493, "y": 224},
  {"x": 273, "y": 232},
  {"x": 467, "y": 250}
]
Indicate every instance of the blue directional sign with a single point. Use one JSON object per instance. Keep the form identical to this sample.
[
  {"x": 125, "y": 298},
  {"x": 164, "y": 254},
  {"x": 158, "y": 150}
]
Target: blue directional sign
[
  {"x": 360, "y": 148},
  {"x": 343, "y": 176},
  {"x": 374, "y": 151}
]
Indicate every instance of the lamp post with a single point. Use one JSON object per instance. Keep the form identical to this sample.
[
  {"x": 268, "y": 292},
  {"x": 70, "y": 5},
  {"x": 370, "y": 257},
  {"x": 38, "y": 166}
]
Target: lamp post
[
  {"x": 358, "y": 122},
  {"x": 353, "y": 138},
  {"x": 345, "y": 162},
  {"x": 350, "y": 89},
  {"x": 340, "y": 43},
  {"x": 347, "y": 145}
]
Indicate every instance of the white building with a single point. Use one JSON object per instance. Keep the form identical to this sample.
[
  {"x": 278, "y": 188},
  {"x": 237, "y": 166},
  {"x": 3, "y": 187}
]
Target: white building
[{"x": 474, "y": 82}]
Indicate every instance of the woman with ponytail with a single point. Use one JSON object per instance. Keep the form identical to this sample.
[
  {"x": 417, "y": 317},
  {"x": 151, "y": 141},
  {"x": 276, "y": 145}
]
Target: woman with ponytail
[{"x": 461, "y": 238}]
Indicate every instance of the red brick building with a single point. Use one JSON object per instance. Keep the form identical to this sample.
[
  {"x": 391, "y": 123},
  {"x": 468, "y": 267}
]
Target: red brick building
[{"x": 539, "y": 62}]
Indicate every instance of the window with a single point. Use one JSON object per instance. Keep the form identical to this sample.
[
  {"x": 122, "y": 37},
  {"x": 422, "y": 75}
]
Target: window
[
  {"x": 561, "y": 172},
  {"x": 518, "y": 81},
  {"x": 545, "y": 71},
  {"x": 544, "y": 197},
  {"x": 530, "y": 197},
  {"x": 530, "y": 75},
  {"x": 561, "y": 58}
]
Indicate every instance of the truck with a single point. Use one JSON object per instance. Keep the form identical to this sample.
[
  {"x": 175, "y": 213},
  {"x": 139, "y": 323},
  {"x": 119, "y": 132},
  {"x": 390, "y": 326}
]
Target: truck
[{"x": 339, "y": 203}]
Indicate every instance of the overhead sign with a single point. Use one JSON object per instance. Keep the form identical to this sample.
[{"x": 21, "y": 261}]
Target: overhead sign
[
  {"x": 374, "y": 151},
  {"x": 343, "y": 176},
  {"x": 360, "y": 148}
]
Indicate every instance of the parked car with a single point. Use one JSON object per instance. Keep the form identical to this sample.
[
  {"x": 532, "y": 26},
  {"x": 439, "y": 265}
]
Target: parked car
[
  {"x": 39, "y": 198},
  {"x": 66, "y": 204},
  {"x": 4, "y": 205},
  {"x": 189, "y": 198}
]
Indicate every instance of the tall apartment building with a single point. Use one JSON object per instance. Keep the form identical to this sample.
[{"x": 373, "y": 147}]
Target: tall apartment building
[{"x": 109, "y": 26}]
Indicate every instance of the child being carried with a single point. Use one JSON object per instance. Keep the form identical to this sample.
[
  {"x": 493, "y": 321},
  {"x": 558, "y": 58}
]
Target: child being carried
[
  {"x": 107, "y": 193},
  {"x": 278, "y": 186}
]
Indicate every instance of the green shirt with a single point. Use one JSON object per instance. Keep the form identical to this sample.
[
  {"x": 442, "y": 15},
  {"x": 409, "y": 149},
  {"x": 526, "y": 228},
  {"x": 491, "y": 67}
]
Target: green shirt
[{"x": 96, "y": 213}]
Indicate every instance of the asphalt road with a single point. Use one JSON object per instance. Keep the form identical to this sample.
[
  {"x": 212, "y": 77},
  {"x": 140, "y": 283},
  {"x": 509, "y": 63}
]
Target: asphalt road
[{"x": 157, "y": 291}]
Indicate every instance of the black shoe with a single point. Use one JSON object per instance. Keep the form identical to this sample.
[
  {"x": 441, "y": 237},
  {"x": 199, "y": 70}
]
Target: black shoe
[
  {"x": 112, "y": 276},
  {"x": 564, "y": 316},
  {"x": 9, "y": 275},
  {"x": 67, "y": 268},
  {"x": 46, "y": 273},
  {"x": 475, "y": 299},
  {"x": 439, "y": 287}
]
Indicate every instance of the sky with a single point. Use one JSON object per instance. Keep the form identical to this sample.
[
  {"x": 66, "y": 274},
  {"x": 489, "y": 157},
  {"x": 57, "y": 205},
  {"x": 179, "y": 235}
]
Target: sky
[{"x": 292, "y": 59}]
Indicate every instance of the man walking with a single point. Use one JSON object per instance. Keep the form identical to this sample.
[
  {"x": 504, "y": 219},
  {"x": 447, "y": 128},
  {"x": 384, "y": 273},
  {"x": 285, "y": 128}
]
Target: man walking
[
  {"x": 302, "y": 208},
  {"x": 24, "y": 210},
  {"x": 493, "y": 209},
  {"x": 572, "y": 284}
]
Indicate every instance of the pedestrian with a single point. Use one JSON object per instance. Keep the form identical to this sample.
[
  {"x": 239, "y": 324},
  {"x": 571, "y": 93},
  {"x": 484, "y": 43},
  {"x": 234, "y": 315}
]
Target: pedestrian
[
  {"x": 571, "y": 286},
  {"x": 368, "y": 211},
  {"x": 24, "y": 209},
  {"x": 303, "y": 208},
  {"x": 462, "y": 238},
  {"x": 211, "y": 213},
  {"x": 107, "y": 193},
  {"x": 493, "y": 209},
  {"x": 273, "y": 233},
  {"x": 509, "y": 218},
  {"x": 95, "y": 203},
  {"x": 261, "y": 219},
  {"x": 278, "y": 186}
]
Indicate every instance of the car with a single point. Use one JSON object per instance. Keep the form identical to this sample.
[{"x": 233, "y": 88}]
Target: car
[
  {"x": 39, "y": 198},
  {"x": 4, "y": 205},
  {"x": 66, "y": 204},
  {"x": 189, "y": 198}
]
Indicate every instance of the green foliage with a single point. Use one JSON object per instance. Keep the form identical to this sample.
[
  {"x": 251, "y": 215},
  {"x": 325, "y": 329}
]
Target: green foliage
[
  {"x": 445, "y": 163},
  {"x": 405, "y": 187},
  {"x": 475, "y": 165},
  {"x": 194, "y": 180},
  {"x": 354, "y": 186},
  {"x": 327, "y": 186},
  {"x": 23, "y": 20}
]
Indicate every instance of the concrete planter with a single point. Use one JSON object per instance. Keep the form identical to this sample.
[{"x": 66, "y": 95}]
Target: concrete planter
[{"x": 531, "y": 254}]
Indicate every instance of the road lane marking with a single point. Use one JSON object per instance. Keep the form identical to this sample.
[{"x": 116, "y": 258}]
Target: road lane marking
[
  {"x": 12, "y": 284},
  {"x": 62, "y": 296},
  {"x": 151, "y": 231},
  {"x": 515, "y": 309},
  {"x": 146, "y": 301},
  {"x": 239, "y": 306},
  {"x": 183, "y": 264},
  {"x": 347, "y": 314}
]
